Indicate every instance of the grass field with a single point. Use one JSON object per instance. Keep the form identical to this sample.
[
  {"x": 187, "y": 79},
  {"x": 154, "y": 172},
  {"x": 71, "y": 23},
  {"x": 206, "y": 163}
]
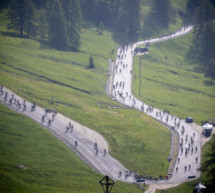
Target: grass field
[
  {"x": 171, "y": 80},
  {"x": 51, "y": 166},
  {"x": 39, "y": 73}
]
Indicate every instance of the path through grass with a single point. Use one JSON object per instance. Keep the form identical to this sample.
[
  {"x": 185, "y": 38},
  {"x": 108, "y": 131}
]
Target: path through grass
[
  {"x": 170, "y": 80},
  {"x": 35, "y": 73},
  {"x": 51, "y": 166}
]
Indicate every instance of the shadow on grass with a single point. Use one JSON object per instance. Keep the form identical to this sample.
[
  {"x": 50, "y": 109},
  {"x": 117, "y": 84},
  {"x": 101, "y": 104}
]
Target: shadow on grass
[
  {"x": 49, "y": 79},
  {"x": 119, "y": 37},
  {"x": 209, "y": 83},
  {"x": 10, "y": 34}
]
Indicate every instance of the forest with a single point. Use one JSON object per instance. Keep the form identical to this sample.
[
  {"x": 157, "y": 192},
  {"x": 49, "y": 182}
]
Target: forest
[{"x": 58, "y": 23}]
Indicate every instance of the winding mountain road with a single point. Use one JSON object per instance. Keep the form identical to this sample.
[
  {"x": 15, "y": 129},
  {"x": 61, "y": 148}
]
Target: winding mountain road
[
  {"x": 186, "y": 158},
  {"x": 184, "y": 164},
  {"x": 97, "y": 158}
]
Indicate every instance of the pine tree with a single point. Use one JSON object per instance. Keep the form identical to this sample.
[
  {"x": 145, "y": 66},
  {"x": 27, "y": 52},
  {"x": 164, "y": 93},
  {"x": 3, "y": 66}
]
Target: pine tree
[
  {"x": 42, "y": 21},
  {"x": 130, "y": 18},
  {"x": 207, "y": 50},
  {"x": 134, "y": 21},
  {"x": 204, "y": 37},
  {"x": 204, "y": 15},
  {"x": 191, "y": 6},
  {"x": 40, "y": 4},
  {"x": 210, "y": 69},
  {"x": 100, "y": 28},
  {"x": 29, "y": 26},
  {"x": 207, "y": 42},
  {"x": 21, "y": 16},
  {"x": 76, "y": 18},
  {"x": 208, "y": 166},
  {"x": 91, "y": 63},
  {"x": 88, "y": 10},
  {"x": 73, "y": 15},
  {"x": 162, "y": 10},
  {"x": 57, "y": 32}
]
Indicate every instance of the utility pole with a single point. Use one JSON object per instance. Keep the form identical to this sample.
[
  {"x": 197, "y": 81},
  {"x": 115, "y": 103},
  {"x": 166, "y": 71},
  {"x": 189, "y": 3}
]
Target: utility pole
[{"x": 140, "y": 76}]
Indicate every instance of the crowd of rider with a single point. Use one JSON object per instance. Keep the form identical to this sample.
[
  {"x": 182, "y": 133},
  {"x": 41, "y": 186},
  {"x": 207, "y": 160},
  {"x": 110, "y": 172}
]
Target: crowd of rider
[
  {"x": 119, "y": 86},
  {"x": 15, "y": 101},
  {"x": 22, "y": 105},
  {"x": 187, "y": 145}
]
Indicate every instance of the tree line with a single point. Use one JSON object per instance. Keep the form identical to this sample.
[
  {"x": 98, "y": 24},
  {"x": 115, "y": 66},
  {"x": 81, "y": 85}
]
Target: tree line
[
  {"x": 203, "y": 14},
  {"x": 208, "y": 166},
  {"x": 60, "y": 21},
  {"x": 125, "y": 16}
]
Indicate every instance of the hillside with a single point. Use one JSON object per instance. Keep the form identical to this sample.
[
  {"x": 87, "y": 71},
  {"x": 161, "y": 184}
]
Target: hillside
[
  {"x": 171, "y": 80},
  {"x": 33, "y": 160},
  {"x": 39, "y": 73},
  {"x": 62, "y": 80}
]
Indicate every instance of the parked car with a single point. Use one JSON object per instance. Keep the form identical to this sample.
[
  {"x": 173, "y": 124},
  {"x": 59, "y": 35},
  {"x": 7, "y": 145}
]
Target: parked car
[{"x": 189, "y": 120}]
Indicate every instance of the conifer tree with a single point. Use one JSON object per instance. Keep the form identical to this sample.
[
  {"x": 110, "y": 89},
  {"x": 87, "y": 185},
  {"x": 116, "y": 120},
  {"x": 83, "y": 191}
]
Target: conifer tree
[
  {"x": 207, "y": 50},
  {"x": 204, "y": 13},
  {"x": 210, "y": 69},
  {"x": 73, "y": 15},
  {"x": 91, "y": 62},
  {"x": 208, "y": 166},
  {"x": 162, "y": 11},
  {"x": 21, "y": 16},
  {"x": 204, "y": 37},
  {"x": 130, "y": 18},
  {"x": 207, "y": 42},
  {"x": 100, "y": 28},
  {"x": 42, "y": 21},
  {"x": 30, "y": 27},
  {"x": 204, "y": 16},
  {"x": 57, "y": 32},
  {"x": 76, "y": 18}
]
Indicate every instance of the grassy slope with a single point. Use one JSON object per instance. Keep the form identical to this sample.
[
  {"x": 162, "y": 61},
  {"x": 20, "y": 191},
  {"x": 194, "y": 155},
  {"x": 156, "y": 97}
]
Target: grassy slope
[
  {"x": 128, "y": 132},
  {"x": 171, "y": 81},
  {"x": 51, "y": 166}
]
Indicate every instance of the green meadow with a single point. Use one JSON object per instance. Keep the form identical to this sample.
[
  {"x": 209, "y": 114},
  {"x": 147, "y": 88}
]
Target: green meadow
[
  {"x": 40, "y": 74},
  {"x": 48, "y": 165},
  {"x": 171, "y": 80}
]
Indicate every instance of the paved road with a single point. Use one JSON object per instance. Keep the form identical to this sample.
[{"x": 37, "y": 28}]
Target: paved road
[
  {"x": 188, "y": 158},
  {"x": 86, "y": 137}
]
